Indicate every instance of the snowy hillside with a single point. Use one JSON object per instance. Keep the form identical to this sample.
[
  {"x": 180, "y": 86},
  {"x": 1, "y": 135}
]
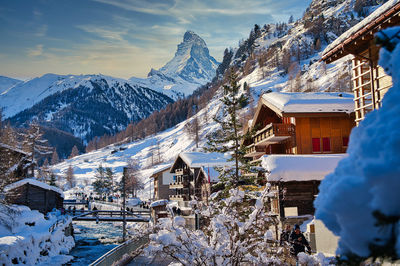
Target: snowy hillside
[
  {"x": 85, "y": 105},
  {"x": 191, "y": 67},
  {"x": 6, "y": 83}
]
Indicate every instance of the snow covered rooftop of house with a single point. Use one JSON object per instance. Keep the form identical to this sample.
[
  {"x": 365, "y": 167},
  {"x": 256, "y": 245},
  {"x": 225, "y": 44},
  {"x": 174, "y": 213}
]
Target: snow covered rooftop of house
[
  {"x": 374, "y": 15},
  {"x": 12, "y": 148},
  {"x": 35, "y": 183},
  {"x": 212, "y": 172},
  {"x": 158, "y": 168},
  {"x": 162, "y": 202},
  {"x": 299, "y": 167},
  {"x": 198, "y": 159},
  {"x": 323, "y": 102}
]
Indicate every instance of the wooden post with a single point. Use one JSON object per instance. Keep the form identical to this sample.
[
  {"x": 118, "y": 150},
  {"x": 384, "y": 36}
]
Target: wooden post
[{"x": 125, "y": 172}]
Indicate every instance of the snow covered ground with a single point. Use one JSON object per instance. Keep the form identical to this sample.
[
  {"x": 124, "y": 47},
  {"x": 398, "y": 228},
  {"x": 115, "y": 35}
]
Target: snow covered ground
[{"x": 27, "y": 237}]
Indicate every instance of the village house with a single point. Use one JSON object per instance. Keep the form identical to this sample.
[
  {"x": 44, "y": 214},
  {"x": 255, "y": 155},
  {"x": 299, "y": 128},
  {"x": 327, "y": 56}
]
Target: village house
[
  {"x": 299, "y": 129},
  {"x": 162, "y": 178},
  {"x": 191, "y": 172},
  {"x": 34, "y": 194},
  {"x": 369, "y": 80}
]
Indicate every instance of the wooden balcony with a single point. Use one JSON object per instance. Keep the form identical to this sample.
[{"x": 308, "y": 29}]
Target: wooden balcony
[
  {"x": 181, "y": 171},
  {"x": 253, "y": 151},
  {"x": 177, "y": 185},
  {"x": 273, "y": 133},
  {"x": 180, "y": 197}
]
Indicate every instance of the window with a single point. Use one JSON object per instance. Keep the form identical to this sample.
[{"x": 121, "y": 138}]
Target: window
[
  {"x": 345, "y": 141},
  {"x": 316, "y": 145},
  {"x": 326, "y": 144}
]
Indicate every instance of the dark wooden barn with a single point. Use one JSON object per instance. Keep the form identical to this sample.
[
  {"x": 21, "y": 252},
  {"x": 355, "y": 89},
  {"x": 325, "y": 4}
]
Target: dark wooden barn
[{"x": 34, "y": 194}]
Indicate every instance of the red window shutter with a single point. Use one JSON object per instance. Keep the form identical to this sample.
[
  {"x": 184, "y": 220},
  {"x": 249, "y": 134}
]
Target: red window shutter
[
  {"x": 326, "y": 144},
  {"x": 316, "y": 145},
  {"x": 345, "y": 141}
]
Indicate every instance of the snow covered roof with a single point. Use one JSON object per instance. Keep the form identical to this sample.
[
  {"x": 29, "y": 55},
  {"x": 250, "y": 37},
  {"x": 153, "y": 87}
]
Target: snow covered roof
[
  {"x": 210, "y": 171},
  {"x": 35, "y": 183},
  {"x": 362, "y": 27},
  {"x": 316, "y": 102},
  {"x": 13, "y": 149},
  {"x": 199, "y": 159},
  {"x": 159, "y": 168},
  {"x": 162, "y": 202},
  {"x": 299, "y": 167}
]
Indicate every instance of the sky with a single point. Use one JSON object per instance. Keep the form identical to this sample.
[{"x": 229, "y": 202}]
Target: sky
[{"x": 122, "y": 38}]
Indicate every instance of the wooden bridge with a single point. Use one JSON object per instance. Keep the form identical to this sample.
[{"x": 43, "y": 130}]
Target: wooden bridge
[{"x": 110, "y": 216}]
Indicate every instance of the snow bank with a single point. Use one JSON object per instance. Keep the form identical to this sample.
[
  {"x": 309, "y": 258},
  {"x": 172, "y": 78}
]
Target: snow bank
[
  {"x": 324, "y": 102},
  {"x": 368, "y": 179},
  {"x": 33, "y": 182},
  {"x": 27, "y": 237},
  {"x": 299, "y": 167}
]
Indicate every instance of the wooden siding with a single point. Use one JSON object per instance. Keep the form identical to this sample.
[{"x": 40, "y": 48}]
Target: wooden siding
[
  {"x": 335, "y": 128},
  {"x": 298, "y": 194},
  {"x": 35, "y": 198}
]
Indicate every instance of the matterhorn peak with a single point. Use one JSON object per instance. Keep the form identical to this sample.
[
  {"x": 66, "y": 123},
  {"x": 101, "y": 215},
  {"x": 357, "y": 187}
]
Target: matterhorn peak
[{"x": 192, "y": 61}]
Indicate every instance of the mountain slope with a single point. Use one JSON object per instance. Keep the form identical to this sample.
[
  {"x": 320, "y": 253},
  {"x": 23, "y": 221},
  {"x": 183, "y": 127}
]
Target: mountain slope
[
  {"x": 90, "y": 105},
  {"x": 191, "y": 67},
  {"x": 6, "y": 83}
]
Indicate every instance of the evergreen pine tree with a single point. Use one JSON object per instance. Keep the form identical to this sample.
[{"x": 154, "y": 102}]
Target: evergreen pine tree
[
  {"x": 229, "y": 137},
  {"x": 55, "y": 159},
  {"x": 53, "y": 179}
]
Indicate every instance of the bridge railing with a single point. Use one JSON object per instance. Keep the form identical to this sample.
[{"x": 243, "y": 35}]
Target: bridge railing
[{"x": 117, "y": 253}]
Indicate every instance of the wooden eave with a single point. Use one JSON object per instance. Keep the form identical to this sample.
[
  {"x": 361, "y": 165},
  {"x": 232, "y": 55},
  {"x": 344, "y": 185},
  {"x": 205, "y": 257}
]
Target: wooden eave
[{"x": 359, "y": 41}]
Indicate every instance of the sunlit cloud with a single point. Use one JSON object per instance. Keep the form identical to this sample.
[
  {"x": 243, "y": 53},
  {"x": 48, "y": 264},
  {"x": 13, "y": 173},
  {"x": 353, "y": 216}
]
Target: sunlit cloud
[{"x": 36, "y": 51}]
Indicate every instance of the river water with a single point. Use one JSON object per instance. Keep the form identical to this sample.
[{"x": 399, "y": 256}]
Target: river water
[{"x": 93, "y": 240}]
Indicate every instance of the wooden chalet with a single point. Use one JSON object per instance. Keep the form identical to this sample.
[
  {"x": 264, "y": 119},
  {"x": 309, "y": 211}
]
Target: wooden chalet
[
  {"x": 301, "y": 123},
  {"x": 295, "y": 180},
  {"x": 34, "y": 194},
  {"x": 186, "y": 169},
  {"x": 162, "y": 178},
  {"x": 370, "y": 82}
]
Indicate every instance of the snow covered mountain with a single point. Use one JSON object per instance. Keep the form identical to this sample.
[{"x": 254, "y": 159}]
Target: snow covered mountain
[
  {"x": 6, "y": 83},
  {"x": 85, "y": 105},
  {"x": 191, "y": 67}
]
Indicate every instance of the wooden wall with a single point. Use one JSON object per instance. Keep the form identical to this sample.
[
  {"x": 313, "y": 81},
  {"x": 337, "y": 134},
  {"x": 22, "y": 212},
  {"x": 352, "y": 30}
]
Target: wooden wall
[
  {"x": 36, "y": 198},
  {"x": 300, "y": 194},
  {"x": 334, "y": 128}
]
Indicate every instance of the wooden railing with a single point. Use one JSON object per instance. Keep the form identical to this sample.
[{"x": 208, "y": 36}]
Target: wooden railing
[
  {"x": 178, "y": 197},
  {"x": 272, "y": 130}
]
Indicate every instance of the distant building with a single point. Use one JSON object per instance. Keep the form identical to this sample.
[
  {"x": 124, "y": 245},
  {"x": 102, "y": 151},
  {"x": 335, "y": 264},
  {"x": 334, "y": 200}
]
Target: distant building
[
  {"x": 162, "y": 178},
  {"x": 34, "y": 194},
  {"x": 189, "y": 178},
  {"x": 370, "y": 82}
]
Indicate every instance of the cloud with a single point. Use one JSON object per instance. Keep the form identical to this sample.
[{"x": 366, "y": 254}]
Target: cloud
[
  {"x": 41, "y": 31},
  {"x": 36, "y": 51}
]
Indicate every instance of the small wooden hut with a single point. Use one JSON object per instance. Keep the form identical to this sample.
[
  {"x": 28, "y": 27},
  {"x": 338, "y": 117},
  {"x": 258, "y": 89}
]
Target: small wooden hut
[{"x": 34, "y": 194}]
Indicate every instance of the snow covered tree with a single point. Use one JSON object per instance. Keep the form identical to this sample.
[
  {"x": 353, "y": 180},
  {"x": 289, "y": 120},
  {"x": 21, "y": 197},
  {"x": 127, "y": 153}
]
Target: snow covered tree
[
  {"x": 133, "y": 181},
  {"x": 228, "y": 138},
  {"x": 110, "y": 177},
  {"x": 192, "y": 127},
  {"x": 69, "y": 177},
  {"x": 35, "y": 144},
  {"x": 230, "y": 236},
  {"x": 53, "y": 179},
  {"x": 101, "y": 185}
]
